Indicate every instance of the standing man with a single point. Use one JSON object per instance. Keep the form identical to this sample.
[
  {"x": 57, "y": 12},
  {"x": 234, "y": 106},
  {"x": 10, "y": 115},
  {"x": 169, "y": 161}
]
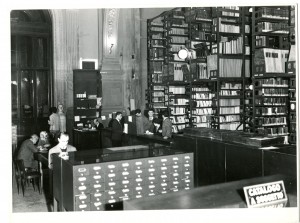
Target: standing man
[
  {"x": 166, "y": 125},
  {"x": 141, "y": 122},
  {"x": 62, "y": 147},
  {"x": 117, "y": 130},
  {"x": 26, "y": 152}
]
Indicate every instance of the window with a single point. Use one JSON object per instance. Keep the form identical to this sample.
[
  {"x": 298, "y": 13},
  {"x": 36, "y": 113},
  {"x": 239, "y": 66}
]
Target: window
[{"x": 31, "y": 70}]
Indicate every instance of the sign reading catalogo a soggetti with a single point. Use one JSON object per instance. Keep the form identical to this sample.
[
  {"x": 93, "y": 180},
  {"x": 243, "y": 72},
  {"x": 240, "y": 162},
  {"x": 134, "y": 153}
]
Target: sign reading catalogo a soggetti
[{"x": 267, "y": 194}]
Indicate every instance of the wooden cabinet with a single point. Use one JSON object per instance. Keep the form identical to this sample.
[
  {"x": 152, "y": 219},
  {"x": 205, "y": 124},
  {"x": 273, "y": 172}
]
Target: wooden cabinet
[
  {"x": 87, "y": 96},
  {"x": 97, "y": 181},
  {"x": 85, "y": 140}
]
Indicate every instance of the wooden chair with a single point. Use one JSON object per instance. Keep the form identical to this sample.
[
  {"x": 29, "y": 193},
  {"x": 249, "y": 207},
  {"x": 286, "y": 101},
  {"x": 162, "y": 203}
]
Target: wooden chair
[
  {"x": 28, "y": 175},
  {"x": 17, "y": 175}
]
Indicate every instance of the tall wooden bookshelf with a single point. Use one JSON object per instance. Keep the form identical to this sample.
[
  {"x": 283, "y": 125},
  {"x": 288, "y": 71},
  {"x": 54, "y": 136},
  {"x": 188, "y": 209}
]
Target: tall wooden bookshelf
[
  {"x": 227, "y": 82},
  {"x": 156, "y": 41},
  {"x": 270, "y": 49}
]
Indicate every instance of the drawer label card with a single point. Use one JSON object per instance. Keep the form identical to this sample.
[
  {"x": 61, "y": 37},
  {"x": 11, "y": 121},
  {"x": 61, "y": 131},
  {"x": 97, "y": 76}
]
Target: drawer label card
[
  {"x": 82, "y": 187},
  {"x": 82, "y": 197},
  {"x": 82, "y": 178},
  {"x": 125, "y": 173},
  {"x": 97, "y": 168},
  {"x": 80, "y": 170},
  {"x": 125, "y": 164},
  {"x": 111, "y": 175},
  {"x": 125, "y": 181},
  {"x": 138, "y": 163},
  {"x": 82, "y": 206},
  {"x": 97, "y": 177}
]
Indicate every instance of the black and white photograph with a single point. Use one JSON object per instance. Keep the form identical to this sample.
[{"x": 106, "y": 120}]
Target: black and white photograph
[{"x": 150, "y": 111}]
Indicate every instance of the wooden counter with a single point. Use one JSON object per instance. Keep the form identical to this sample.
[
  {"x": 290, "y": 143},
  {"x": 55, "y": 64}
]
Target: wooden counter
[
  {"x": 219, "y": 161},
  {"x": 225, "y": 195},
  {"x": 133, "y": 139}
]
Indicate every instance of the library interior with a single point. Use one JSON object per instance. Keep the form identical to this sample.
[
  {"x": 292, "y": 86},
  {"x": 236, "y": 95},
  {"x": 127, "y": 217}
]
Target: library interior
[{"x": 117, "y": 109}]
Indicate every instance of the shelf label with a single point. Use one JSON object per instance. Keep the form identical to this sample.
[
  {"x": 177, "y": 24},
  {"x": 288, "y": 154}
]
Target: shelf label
[{"x": 265, "y": 195}]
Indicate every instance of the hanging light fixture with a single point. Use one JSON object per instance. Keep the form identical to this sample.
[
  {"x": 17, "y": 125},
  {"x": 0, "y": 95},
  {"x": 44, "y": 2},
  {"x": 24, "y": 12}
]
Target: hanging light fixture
[{"x": 184, "y": 53}]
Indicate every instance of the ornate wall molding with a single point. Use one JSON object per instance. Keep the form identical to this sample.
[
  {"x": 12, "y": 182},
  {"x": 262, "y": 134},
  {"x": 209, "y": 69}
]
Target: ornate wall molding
[{"x": 110, "y": 34}]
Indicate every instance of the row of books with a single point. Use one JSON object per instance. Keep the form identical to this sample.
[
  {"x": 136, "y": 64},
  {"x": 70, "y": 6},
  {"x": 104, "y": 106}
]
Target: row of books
[
  {"x": 158, "y": 99},
  {"x": 281, "y": 28},
  {"x": 229, "y": 110},
  {"x": 201, "y": 104},
  {"x": 157, "y": 78},
  {"x": 179, "y": 101},
  {"x": 229, "y": 118},
  {"x": 200, "y": 89},
  {"x": 272, "y": 92},
  {"x": 203, "y": 111},
  {"x": 156, "y": 42},
  {"x": 274, "y": 13},
  {"x": 177, "y": 110},
  {"x": 178, "y": 40},
  {"x": 176, "y": 48},
  {"x": 229, "y": 102},
  {"x": 158, "y": 88},
  {"x": 156, "y": 29},
  {"x": 204, "y": 95},
  {"x": 199, "y": 71},
  {"x": 201, "y": 119},
  {"x": 232, "y": 86},
  {"x": 202, "y": 125},
  {"x": 157, "y": 53},
  {"x": 234, "y": 46},
  {"x": 177, "y": 31},
  {"x": 176, "y": 90},
  {"x": 156, "y": 66},
  {"x": 276, "y": 131},
  {"x": 178, "y": 119},
  {"x": 158, "y": 94},
  {"x": 271, "y": 111},
  {"x": 272, "y": 82},
  {"x": 157, "y": 36},
  {"x": 271, "y": 101},
  {"x": 225, "y": 27},
  {"x": 156, "y": 23},
  {"x": 229, "y": 92},
  {"x": 272, "y": 121},
  {"x": 228, "y": 67}
]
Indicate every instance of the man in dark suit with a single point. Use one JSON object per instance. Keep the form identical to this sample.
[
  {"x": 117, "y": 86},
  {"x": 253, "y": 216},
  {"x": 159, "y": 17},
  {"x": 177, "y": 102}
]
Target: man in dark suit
[
  {"x": 98, "y": 124},
  {"x": 166, "y": 126},
  {"x": 27, "y": 150},
  {"x": 117, "y": 130}
]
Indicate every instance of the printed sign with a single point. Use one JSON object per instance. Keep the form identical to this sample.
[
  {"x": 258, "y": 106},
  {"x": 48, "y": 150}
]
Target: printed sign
[{"x": 269, "y": 194}]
